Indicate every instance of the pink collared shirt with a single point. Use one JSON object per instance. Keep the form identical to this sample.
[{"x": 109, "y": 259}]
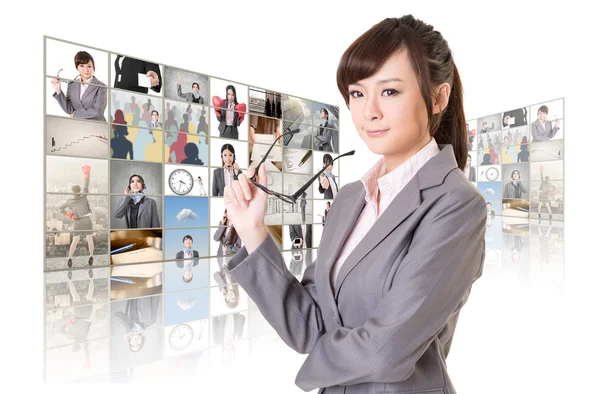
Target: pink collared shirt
[
  {"x": 389, "y": 185},
  {"x": 228, "y": 174}
]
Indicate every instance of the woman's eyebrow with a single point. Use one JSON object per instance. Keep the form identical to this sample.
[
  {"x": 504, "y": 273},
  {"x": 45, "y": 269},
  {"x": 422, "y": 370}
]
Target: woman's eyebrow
[{"x": 380, "y": 82}]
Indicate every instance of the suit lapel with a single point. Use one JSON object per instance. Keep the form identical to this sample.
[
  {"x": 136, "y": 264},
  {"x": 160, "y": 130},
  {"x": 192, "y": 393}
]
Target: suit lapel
[
  {"x": 89, "y": 89},
  {"x": 143, "y": 205},
  {"x": 351, "y": 207},
  {"x": 402, "y": 206}
]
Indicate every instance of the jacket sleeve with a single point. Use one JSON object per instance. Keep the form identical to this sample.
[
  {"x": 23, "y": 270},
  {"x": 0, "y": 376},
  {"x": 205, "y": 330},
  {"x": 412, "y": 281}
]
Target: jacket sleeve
[
  {"x": 122, "y": 206},
  {"x": 97, "y": 109},
  {"x": 64, "y": 101},
  {"x": 291, "y": 307},
  {"x": 219, "y": 232},
  {"x": 155, "y": 221},
  {"x": 215, "y": 189},
  {"x": 429, "y": 288}
]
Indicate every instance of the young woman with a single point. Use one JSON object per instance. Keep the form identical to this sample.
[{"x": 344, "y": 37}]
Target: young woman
[
  {"x": 230, "y": 113},
  {"x": 81, "y": 212},
  {"x": 515, "y": 188},
  {"x": 139, "y": 211},
  {"x": 227, "y": 173},
  {"x": 86, "y": 98},
  {"x": 401, "y": 247}
]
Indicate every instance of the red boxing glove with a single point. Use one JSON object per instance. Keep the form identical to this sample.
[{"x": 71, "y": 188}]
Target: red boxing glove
[
  {"x": 218, "y": 104},
  {"x": 241, "y": 108},
  {"x": 86, "y": 170},
  {"x": 70, "y": 215}
]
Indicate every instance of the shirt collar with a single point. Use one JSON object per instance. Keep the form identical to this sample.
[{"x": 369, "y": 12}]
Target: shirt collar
[{"x": 376, "y": 180}]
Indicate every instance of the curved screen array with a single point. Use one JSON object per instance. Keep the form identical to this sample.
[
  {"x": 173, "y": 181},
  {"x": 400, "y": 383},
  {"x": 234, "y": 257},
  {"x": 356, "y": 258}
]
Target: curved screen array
[
  {"x": 138, "y": 154},
  {"x": 516, "y": 161}
]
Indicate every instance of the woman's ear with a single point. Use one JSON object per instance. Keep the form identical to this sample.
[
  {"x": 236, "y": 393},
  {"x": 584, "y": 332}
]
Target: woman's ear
[{"x": 441, "y": 98}]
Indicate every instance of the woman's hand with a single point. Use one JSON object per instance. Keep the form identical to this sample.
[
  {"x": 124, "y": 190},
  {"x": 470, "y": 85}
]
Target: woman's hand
[
  {"x": 128, "y": 191},
  {"x": 246, "y": 204},
  {"x": 56, "y": 85},
  {"x": 324, "y": 182}
]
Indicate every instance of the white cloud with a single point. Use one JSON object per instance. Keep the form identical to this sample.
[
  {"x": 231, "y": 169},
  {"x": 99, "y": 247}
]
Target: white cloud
[{"x": 186, "y": 214}]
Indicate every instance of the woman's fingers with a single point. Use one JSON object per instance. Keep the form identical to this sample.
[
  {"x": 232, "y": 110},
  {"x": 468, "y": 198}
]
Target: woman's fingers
[
  {"x": 229, "y": 196},
  {"x": 239, "y": 194},
  {"x": 245, "y": 186}
]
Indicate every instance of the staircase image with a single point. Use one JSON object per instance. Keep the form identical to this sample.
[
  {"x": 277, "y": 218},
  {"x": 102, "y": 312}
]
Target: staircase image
[{"x": 100, "y": 137}]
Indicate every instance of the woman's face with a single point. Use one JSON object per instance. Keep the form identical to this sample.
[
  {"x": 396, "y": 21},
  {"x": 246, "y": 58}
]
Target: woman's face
[
  {"x": 155, "y": 116},
  {"x": 542, "y": 116},
  {"x": 230, "y": 95},
  {"x": 230, "y": 296},
  {"x": 136, "y": 184},
  {"x": 227, "y": 157},
  {"x": 86, "y": 70},
  {"x": 468, "y": 160},
  {"x": 195, "y": 88},
  {"x": 388, "y": 110},
  {"x": 187, "y": 243},
  {"x": 516, "y": 175}
]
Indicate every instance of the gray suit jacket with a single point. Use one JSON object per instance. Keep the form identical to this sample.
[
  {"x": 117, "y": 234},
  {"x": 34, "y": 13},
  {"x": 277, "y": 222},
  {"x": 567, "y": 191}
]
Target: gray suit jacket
[
  {"x": 218, "y": 181},
  {"x": 90, "y": 106},
  {"x": 387, "y": 323},
  {"x": 323, "y": 139},
  {"x": 543, "y": 132},
  {"x": 147, "y": 213},
  {"x": 232, "y": 247}
]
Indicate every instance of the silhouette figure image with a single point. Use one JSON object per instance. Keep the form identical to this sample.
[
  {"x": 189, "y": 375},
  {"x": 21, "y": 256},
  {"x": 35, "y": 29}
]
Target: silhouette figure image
[
  {"x": 120, "y": 145},
  {"x": 191, "y": 154}
]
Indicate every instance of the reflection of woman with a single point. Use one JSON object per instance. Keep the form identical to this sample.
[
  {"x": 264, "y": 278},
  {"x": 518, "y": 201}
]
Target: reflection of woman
[
  {"x": 395, "y": 299},
  {"x": 230, "y": 289},
  {"x": 229, "y": 113},
  {"x": 139, "y": 315},
  {"x": 228, "y": 238},
  {"x": 229, "y": 171},
  {"x": 139, "y": 211},
  {"x": 514, "y": 189},
  {"x": 80, "y": 212},
  {"x": 86, "y": 98}
]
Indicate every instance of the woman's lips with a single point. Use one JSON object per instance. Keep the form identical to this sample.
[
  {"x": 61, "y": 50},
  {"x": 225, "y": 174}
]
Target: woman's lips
[{"x": 376, "y": 133}]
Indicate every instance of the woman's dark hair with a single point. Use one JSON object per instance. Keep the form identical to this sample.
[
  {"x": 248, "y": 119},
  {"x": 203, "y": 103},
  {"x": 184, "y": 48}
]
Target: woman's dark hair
[
  {"x": 187, "y": 237},
  {"x": 228, "y": 147},
  {"x": 432, "y": 62},
  {"x": 232, "y": 234},
  {"x": 327, "y": 159},
  {"x": 234, "y": 93},
  {"x": 543, "y": 109},
  {"x": 513, "y": 173},
  {"x": 83, "y": 57},
  {"x": 140, "y": 178}
]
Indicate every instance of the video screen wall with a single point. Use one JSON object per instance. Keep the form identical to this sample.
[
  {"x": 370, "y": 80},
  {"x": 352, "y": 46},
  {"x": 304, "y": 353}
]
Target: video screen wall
[
  {"x": 516, "y": 161},
  {"x": 138, "y": 155}
]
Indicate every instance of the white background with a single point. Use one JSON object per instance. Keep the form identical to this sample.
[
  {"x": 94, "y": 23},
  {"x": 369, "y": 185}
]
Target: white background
[{"x": 526, "y": 340}]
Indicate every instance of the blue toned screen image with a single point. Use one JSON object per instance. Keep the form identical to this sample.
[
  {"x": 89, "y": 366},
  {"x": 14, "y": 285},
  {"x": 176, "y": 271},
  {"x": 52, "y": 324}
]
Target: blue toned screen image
[
  {"x": 186, "y": 212},
  {"x": 186, "y": 306},
  {"x": 174, "y": 241}
]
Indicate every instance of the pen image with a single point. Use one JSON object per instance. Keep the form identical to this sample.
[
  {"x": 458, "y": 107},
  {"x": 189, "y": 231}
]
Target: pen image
[{"x": 305, "y": 158}]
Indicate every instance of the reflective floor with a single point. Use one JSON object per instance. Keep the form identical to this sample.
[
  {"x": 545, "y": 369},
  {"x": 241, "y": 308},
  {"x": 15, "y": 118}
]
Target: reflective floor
[{"x": 148, "y": 323}]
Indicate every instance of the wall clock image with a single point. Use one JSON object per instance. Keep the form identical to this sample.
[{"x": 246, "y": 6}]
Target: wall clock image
[
  {"x": 181, "y": 336},
  {"x": 492, "y": 174},
  {"x": 181, "y": 181}
]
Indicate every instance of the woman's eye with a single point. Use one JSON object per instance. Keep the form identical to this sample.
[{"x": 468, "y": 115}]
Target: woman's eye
[
  {"x": 390, "y": 92},
  {"x": 356, "y": 94}
]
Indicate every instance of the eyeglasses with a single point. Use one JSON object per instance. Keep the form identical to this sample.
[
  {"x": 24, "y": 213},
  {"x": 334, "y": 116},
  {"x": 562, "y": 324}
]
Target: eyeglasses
[{"x": 293, "y": 198}]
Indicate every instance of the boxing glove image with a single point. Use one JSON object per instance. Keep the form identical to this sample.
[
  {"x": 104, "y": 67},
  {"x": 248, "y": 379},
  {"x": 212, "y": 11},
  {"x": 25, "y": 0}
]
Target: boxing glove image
[
  {"x": 86, "y": 170},
  {"x": 241, "y": 108},
  {"x": 218, "y": 104},
  {"x": 70, "y": 215}
]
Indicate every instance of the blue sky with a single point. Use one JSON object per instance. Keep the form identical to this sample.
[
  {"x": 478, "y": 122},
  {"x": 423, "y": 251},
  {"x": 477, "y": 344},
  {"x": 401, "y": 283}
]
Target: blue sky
[
  {"x": 186, "y": 211},
  {"x": 186, "y": 306}
]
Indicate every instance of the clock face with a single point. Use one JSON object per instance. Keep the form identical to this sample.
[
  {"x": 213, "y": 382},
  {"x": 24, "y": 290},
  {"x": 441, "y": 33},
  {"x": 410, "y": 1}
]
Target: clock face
[
  {"x": 492, "y": 174},
  {"x": 181, "y": 182},
  {"x": 181, "y": 336}
]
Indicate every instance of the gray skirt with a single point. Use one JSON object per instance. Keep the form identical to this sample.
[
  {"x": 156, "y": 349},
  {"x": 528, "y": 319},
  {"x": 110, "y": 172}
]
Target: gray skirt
[{"x": 83, "y": 224}]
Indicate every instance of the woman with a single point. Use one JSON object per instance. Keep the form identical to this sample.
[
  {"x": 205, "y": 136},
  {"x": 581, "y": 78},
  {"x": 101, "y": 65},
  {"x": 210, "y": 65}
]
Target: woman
[
  {"x": 86, "y": 98},
  {"x": 514, "y": 189},
  {"x": 228, "y": 238},
  {"x": 227, "y": 173},
  {"x": 469, "y": 170},
  {"x": 81, "y": 212},
  {"x": 193, "y": 96},
  {"x": 379, "y": 317},
  {"x": 229, "y": 113},
  {"x": 545, "y": 193},
  {"x": 327, "y": 183},
  {"x": 139, "y": 211}
]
